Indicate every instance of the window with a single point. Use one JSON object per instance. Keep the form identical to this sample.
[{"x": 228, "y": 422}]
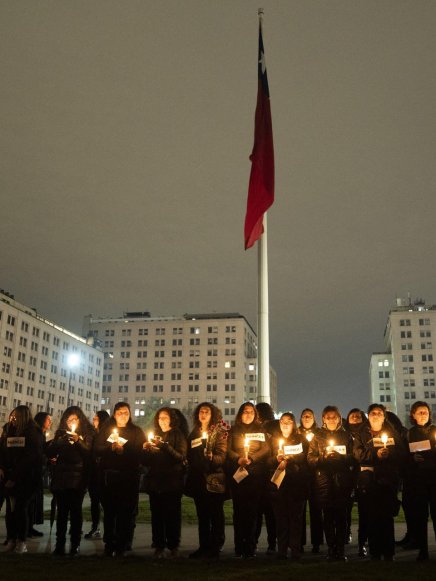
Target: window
[
  {"x": 423, "y": 322},
  {"x": 406, "y": 334},
  {"x": 407, "y": 358},
  {"x": 404, "y": 322},
  {"x": 195, "y": 341},
  {"x": 212, "y": 330},
  {"x": 425, "y": 333},
  {"x": 427, "y": 357},
  {"x": 11, "y": 320}
]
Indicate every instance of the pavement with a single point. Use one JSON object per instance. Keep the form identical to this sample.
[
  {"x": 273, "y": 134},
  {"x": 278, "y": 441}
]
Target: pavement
[{"x": 189, "y": 541}]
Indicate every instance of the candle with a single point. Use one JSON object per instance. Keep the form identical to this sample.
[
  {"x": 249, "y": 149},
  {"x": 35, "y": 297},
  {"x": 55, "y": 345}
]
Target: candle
[
  {"x": 150, "y": 437},
  {"x": 281, "y": 447},
  {"x": 309, "y": 436},
  {"x": 204, "y": 437},
  {"x": 247, "y": 447},
  {"x": 331, "y": 446},
  {"x": 115, "y": 435},
  {"x": 47, "y": 436},
  {"x": 384, "y": 439},
  {"x": 73, "y": 427}
]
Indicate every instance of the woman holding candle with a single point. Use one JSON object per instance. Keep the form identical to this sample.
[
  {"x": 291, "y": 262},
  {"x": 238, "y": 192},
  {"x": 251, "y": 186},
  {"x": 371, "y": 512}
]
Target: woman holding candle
[
  {"x": 378, "y": 479},
  {"x": 308, "y": 428},
  {"x": 331, "y": 457},
  {"x": 207, "y": 447},
  {"x": 289, "y": 450},
  {"x": 247, "y": 453},
  {"x": 165, "y": 456},
  {"x": 421, "y": 473},
  {"x": 119, "y": 445},
  {"x": 20, "y": 472},
  {"x": 71, "y": 451}
]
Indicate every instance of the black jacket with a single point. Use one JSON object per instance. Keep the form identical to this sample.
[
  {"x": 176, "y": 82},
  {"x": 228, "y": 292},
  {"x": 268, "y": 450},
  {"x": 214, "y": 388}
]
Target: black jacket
[
  {"x": 71, "y": 470},
  {"x": 296, "y": 480},
  {"x": 258, "y": 451},
  {"x": 422, "y": 475},
  {"x": 199, "y": 465},
  {"x": 166, "y": 463}
]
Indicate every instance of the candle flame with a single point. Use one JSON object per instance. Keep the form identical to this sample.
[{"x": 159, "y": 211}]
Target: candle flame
[
  {"x": 73, "y": 426},
  {"x": 331, "y": 443},
  {"x": 309, "y": 437},
  {"x": 204, "y": 436},
  {"x": 281, "y": 444},
  {"x": 150, "y": 436},
  {"x": 384, "y": 438},
  {"x": 247, "y": 443}
]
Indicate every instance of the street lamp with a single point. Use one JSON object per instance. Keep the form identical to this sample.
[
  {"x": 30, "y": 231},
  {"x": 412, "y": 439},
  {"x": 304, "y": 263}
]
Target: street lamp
[{"x": 72, "y": 362}]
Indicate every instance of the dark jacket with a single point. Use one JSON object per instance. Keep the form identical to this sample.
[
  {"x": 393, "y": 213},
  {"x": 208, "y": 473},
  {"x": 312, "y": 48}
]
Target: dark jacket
[
  {"x": 258, "y": 450},
  {"x": 381, "y": 471},
  {"x": 21, "y": 458},
  {"x": 422, "y": 475},
  {"x": 296, "y": 480},
  {"x": 71, "y": 470},
  {"x": 166, "y": 463},
  {"x": 333, "y": 474},
  {"x": 199, "y": 465}
]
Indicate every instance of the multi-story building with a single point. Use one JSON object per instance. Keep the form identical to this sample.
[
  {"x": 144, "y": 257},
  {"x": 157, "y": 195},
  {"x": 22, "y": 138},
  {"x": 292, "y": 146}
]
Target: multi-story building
[
  {"x": 178, "y": 360},
  {"x": 410, "y": 338},
  {"x": 381, "y": 384},
  {"x": 43, "y": 365}
]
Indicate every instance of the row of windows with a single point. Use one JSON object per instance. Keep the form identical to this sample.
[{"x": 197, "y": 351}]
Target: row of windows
[
  {"x": 425, "y": 357},
  {"x": 408, "y": 334},
  {"x": 407, "y": 322},
  {"x": 162, "y": 330}
]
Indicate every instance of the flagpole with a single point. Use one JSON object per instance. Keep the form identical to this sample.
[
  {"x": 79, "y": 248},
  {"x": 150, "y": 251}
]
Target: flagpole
[{"x": 263, "y": 387}]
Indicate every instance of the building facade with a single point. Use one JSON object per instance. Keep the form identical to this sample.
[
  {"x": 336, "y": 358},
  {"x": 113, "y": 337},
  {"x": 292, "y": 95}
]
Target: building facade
[
  {"x": 43, "y": 365},
  {"x": 410, "y": 339},
  {"x": 178, "y": 361}
]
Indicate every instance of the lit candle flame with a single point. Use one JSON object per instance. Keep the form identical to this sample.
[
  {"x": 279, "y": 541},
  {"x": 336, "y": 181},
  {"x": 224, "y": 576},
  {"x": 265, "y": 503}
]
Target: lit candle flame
[
  {"x": 384, "y": 439},
  {"x": 73, "y": 427},
  {"x": 150, "y": 436},
  {"x": 330, "y": 447},
  {"x": 115, "y": 434},
  {"x": 309, "y": 436},
  {"x": 247, "y": 447},
  {"x": 281, "y": 446},
  {"x": 204, "y": 436}
]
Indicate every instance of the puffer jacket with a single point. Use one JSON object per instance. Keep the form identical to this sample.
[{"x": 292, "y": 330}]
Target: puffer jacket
[{"x": 333, "y": 476}]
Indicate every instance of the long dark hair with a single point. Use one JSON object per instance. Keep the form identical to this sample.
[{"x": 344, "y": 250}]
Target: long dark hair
[
  {"x": 215, "y": 412},
  {"x": 238, "y": 418},
  {"x": 174, "y": 422},
  {"x": 85, "y": 428},
  {"x": 23, "y": 420},
  {"x": 40, "y": 418}
]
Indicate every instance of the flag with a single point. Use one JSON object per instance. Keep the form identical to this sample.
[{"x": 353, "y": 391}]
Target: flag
[{"x": 261, "y": 186}]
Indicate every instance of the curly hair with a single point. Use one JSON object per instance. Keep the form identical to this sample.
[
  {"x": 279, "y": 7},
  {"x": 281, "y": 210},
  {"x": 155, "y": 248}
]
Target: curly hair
[
  {"x": 215, "y": 414},
  {"x": 174, "y": 421}
]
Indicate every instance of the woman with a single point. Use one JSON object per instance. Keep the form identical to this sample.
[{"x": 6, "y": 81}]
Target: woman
[
  {"x": 119, "y": 445},
  {"x": 331, "y": 457},
  {"x": 206, "y": 458},
  {"x": 164, "y": 454},
  {"x": 379, "y": 450},
  {"x": 94, "y": 486},
  {"x": 421, "y": 473},
  {"x": 20, "y": 473},
  {"x": 247, "y": 452},
  {"x": 289, "y": 450},
  {"x": 308, "y": 428},
  {"x": 36, "y": 509},
  {"x": 70, "y": 453}
]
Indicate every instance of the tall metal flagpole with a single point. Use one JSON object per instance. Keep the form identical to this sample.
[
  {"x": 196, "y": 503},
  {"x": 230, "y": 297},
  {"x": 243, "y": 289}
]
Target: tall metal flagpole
[{"x": 263, "y": 388}]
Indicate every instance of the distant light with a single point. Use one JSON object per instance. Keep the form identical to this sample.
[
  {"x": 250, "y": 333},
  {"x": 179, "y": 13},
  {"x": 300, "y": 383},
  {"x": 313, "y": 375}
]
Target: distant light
[
  {"x": 73, "y": 360},
  {"x": 251, "y": 367},
  {"x": 172, "y": 402}
]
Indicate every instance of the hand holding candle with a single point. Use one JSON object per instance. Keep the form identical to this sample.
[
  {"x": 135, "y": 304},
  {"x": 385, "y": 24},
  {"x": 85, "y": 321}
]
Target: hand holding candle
[
  {"x": 309, "y": 436},
  {"x": 281, "y": 447},
  {"x": 246, "y": 447},
  {"x": 331, "y": 447},
  {"x": 115, "y": 435}
]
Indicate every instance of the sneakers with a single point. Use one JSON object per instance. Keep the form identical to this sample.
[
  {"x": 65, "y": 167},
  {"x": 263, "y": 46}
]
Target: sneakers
[
  {"x": 21, "y": 548},
  {"x": 10, "y": 546},
  {"x": 93, "y": 534}
]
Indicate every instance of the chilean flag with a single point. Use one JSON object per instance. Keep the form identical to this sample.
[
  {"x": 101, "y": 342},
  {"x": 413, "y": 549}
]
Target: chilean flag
[{"x": 261, "y": 186}]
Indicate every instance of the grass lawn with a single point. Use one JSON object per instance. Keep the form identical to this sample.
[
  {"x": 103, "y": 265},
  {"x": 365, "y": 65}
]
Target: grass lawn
[{"x": 46, "y": 568}]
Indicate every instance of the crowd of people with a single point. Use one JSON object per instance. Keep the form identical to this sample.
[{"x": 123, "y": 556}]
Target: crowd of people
[{"x": 273, "y": 470}]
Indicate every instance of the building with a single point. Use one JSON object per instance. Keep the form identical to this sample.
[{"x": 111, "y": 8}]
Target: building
[
  {"x": 381, "y": 382},
  {"x": 43, "y": 365},
  {"x": 178, "y": 360},
  {"x": 410, "y": 339}
]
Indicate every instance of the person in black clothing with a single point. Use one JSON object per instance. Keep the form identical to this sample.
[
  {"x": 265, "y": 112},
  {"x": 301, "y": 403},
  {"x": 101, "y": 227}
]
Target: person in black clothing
[
  {"x": 355, "y": 419},
  {"x": 20, "y": 473},
  {"x": 247, "y": 453},
  {"x": 331, "y": 457},
  {"x": 308, "y": 428},
  {"x": 94, "y": 485},
  {"x": 165, "y": 455},
  {"x": 70, "y": 451},
  {"x": 289, "y": 450},
  {"x": 379, "y": 450},
  {"x": 421, "y": 473},
  {"x": 207, "y": 447},
  {"x": 119, "y": 445},
  {"x": 36, "y": 507},
  {"x": 271, "y": 427}
]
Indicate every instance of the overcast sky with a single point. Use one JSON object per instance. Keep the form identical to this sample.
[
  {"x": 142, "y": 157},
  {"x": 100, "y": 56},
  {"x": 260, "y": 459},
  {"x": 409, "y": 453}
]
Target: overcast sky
[{"x": 125, "y": 134}]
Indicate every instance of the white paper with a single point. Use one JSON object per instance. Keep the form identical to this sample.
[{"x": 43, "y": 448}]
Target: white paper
[
  {"x": 258, "y": 437},
  {"x": 340, "y": 449},
  {"x": 277, "y": 477},
  {"x": 240, "y": 474},
  {"x": 196, "y": 443},
  {"x": 420, "y": 446},
  {"x": 377, "y": 442},
  {"x": 118, "y": 439},
  {"x": 367, "y": 468},
  {"x": 291, "y": 450}
]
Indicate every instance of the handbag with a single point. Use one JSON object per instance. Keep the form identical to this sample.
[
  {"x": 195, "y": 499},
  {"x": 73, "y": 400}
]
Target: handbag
[{"x": 216, "y": 482}]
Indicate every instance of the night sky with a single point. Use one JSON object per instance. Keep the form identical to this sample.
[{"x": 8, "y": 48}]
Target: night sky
[{"x": 126, "y": 129}]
